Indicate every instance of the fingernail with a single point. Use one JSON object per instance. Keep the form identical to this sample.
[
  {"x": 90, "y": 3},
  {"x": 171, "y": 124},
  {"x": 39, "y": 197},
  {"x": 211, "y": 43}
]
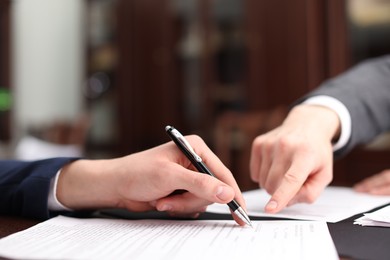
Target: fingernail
[
  {"x": 271, "y": 206},
  {"x": 222, "y": 193},
  {"x": 165, "y": 207}
]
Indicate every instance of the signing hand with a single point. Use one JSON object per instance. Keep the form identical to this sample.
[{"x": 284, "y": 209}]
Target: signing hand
[{"x": 143, "y": 181}]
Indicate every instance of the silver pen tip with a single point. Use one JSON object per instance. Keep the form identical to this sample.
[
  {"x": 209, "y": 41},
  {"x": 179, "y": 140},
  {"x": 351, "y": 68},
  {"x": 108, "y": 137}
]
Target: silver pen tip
[
  {"x": 250, "y": 224},
  {"x": 243, "y": 216}
]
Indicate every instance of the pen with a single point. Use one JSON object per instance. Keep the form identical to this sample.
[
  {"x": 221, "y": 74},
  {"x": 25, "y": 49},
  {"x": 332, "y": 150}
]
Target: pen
[{"x": 197, "y": 161}]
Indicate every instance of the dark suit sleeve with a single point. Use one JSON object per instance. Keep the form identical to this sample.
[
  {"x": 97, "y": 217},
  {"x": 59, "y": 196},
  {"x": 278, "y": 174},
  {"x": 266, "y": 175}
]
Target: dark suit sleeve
[
  {"x": 24, "y": 186},
  {"x": 365, "y": 91}
]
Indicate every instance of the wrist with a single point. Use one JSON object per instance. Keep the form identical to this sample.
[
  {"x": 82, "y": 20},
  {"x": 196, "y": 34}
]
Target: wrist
[
  {"x": 317, "y": 119},
  {"x": 86, "y": 184}
]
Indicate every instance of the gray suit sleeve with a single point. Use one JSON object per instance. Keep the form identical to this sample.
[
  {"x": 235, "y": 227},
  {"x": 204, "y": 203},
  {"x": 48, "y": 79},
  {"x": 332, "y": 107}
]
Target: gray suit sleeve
[{"x": 365, "y": 91}]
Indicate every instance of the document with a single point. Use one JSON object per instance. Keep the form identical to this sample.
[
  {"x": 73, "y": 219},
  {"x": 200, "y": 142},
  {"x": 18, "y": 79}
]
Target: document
[
  {"x": 334, "y": 204},
  {"x": 378, "y": 218},
  {"x": 71, "y": 238}
]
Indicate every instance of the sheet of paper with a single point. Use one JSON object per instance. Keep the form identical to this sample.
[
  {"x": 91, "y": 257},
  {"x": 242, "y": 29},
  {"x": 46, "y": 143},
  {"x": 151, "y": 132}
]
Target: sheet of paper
[
  {"x": 334, "y": 204},
  {"x": 378, "y": 218},
  {"x": 70, "y": 238}
]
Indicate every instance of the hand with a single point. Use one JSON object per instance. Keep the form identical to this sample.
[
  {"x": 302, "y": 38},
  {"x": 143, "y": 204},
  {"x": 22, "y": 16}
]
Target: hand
[
  {"x": 378, "y": 184},
  {"x": 294, "y": 162},
  {"x": 143, "y": 181}
]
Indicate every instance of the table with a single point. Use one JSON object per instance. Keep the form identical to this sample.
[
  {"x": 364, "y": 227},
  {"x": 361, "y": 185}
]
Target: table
[
  {"x": 10, "y": 225},
  {"x": 352, "y": 241}
]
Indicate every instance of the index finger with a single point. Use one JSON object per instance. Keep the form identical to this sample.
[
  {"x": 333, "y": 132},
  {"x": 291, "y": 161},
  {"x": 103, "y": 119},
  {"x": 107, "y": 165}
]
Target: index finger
[{"x": 289, "y": 186}]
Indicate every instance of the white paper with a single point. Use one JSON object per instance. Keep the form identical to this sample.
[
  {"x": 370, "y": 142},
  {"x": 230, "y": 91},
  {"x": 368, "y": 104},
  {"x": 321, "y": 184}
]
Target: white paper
[
  {"x": 334, "y": 204},
  {"x": 70, "y": 238},
  {"x": 379, "y": 218}
]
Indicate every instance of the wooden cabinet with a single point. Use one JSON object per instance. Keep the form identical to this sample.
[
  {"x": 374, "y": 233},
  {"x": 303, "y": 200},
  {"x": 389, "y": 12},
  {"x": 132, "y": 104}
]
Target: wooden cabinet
[
  {"x": 149, "y": 93},
  {"x": 293, "y": 46},
  {"x": 256, "y": 57},
  {"x": 225, "y": 74},
  {"x": 278, "y": 50}
]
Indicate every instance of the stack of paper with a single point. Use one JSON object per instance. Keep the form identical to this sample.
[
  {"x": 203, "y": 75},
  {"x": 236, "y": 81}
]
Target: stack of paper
[
  {"x": 379, "y": 218},
  {"x": 71, "y": 238},
  {"x": 334, "y": 204}
]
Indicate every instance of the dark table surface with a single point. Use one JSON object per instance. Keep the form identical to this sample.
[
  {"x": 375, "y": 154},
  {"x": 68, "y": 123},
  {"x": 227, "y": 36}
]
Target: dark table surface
[
  {"x": 351, "y": 241},
  {"x": 10, "y": 225}
]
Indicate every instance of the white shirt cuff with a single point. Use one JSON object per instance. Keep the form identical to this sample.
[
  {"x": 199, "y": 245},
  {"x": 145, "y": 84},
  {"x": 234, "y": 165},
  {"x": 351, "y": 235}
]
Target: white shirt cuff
[
  {"x": 341, "y": 111},
  {"x": 52, "y": 202}
]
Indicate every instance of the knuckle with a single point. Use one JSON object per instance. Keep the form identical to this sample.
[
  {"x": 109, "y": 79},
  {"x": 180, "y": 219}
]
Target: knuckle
[
  {"x": 260, "y": 144},
  {"x": 285, "y": 143},
  {"x": 292, "y": 178},
  {"x": 257, "y": 141}
]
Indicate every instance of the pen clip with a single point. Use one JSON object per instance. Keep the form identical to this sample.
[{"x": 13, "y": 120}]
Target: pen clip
[{"x": 185, "y": 144}]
